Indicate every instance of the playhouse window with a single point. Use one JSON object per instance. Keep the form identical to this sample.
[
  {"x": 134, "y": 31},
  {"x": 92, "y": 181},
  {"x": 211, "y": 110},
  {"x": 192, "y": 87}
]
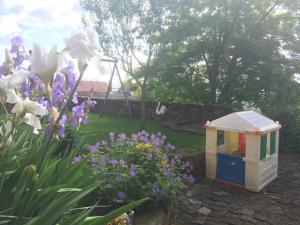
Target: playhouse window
[
  {"x": 272, "y": 142},
  {"x": 220, "y": 137},
  {"x": 263, "y": 146}
]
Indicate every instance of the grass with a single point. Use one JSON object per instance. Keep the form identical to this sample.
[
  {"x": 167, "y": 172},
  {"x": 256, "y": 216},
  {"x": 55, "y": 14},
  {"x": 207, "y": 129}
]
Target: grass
[{"x": 98, "y": 128}]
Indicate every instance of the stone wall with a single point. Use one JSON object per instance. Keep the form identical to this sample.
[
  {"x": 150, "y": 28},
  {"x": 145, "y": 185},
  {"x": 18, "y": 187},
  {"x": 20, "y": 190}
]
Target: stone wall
[{"x": 177, "y": 114}]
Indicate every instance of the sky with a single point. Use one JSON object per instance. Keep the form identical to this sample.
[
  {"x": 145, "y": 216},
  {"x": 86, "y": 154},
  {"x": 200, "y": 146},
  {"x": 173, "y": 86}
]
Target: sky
[{"x": 45, "y": 22}]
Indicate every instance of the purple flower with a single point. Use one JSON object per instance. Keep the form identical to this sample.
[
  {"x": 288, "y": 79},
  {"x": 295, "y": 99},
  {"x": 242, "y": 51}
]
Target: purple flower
[
  {"x": 135, "y": 136},
  {"x": 191, "y": 179},
  {"x": 77, "y": 158},
  {"x": 61, "y": 131},
  {"x": 133, "y": 170},
  {"x": 122, "y": 163},
  {"x": 94, "y": 159},
  {"x": 92, "y": 148},
  {"x": 156, "y": 189},
  {"x": 149, "y": 155},
  {"x": 114, "y": 162},
  {"x": 170, "y": 147},
  {"x": 104, "y": 159},
  {"x": 118, "y": 142},
  {"x": 157, "y": 142},
  {"x": 111, "y": 135},
  {"x": 118, "y": 175},
  {"x": 120, "y": 195},
  {"x": 104, "y": 143},
  {"x": 25, "y": 88},
  {"x": 122, "y": 136}
]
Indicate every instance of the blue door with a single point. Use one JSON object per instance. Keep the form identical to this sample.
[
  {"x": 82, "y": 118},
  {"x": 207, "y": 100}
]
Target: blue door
[{"x": 230, "y": 168}]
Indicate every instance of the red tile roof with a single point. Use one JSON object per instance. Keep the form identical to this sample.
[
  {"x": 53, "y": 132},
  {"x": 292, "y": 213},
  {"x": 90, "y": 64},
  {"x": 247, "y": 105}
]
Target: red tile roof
[{"x": 98, "y": 86}]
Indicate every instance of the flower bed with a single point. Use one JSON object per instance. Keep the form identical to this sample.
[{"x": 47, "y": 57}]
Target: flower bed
[{"x": 134, "y": 167}]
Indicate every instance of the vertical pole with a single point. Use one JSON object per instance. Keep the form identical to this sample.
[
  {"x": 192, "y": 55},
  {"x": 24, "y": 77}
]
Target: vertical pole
[
  {"x": 109, "y": 87},
  {"x": 125, "y": 94}
]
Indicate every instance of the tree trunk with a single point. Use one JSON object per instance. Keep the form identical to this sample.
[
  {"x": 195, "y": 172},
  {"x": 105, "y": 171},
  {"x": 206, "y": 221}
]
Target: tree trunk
[{"x": 143, "y": 107}]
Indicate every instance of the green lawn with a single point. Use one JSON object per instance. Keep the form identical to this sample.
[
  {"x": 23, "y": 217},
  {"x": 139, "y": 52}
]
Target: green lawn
[{"x": 98, "y": 128}]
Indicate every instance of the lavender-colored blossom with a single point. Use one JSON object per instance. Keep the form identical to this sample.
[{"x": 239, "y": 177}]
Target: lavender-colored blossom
[
  {"x": 120, "y": 194},
  {"x": 133, "y": 170},
  {"x": 3, "y": 69},
  {"x": 149, "y": 155},
  {"x": 77, "y": 158},
  {"x": 111, "y": 136},
  {"x": 61, "y": 131},
  {"x": 104, "y": 159},
  {"x": 94, "y": 159},
  {"x": 135, "y": 136},
  {"x": 114, "y": 162},
  {"x": 105, "y": 143},
  {"x": 156, "y": 189},
  {"x": 122, "y": 136},
  {"x": 92, "y": 148},
  {"x": 25, "y": 88},
  {"x": 122, "y": 163},
  {"x": 191, "y": 179},
  {"x": 118, "y": 142},
  {"x": 157, "y": 142},
  {"x": 118, "y": 175}
]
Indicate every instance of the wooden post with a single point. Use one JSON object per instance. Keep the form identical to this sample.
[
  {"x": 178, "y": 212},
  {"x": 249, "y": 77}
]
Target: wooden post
[
  {"x": 125, "y": 93},
  {"x": 109, "y": 87}
]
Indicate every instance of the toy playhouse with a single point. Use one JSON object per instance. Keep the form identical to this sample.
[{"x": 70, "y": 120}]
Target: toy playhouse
[{"x": 242, "y": 150}]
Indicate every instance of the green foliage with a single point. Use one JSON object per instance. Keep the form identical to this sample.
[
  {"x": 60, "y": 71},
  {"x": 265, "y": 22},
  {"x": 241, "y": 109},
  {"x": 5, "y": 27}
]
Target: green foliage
[
  {"x": 227, "y": 52},
  {"x": 132, "y": 168},
  {"x": 31, "y": 194}
]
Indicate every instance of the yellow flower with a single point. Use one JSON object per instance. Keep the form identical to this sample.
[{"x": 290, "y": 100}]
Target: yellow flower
[{"x": 54, "y": 113}]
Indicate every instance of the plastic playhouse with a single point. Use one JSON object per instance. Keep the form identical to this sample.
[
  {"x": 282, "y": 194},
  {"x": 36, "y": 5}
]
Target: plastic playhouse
[{"x": 242, "y": 150}]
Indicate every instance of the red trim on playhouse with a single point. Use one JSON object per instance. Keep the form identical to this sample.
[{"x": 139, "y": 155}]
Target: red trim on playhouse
[{"x": 230, "y": 183}]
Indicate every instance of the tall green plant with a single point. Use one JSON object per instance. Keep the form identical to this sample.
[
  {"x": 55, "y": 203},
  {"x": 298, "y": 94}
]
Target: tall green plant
[{"x": 35, "y": 187}]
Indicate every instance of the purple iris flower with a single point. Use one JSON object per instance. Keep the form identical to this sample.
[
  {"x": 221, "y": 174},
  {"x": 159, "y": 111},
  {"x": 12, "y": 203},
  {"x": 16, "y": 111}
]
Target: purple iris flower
[
  {"x": 114, "y": 162},
  {"x": 77, "y": 158},
  {"x": 25, "y": 88},
  {"x": 133, "y": 170},
  {"x": 157, "y": 142},
  {"x": 122, "y": 136},
  {"x": 120, "y": 195},
  {"x": 149, "y": 155},
  {"x": 122, "y": 163},
  {"x": 111, "y": 135},
  {"x": 118, "y": 176},
  {"x": 104, "y": 159},
  {"x": 156, "y": 189},
  {"x": 135, "y": 136},
  {"x": 191, "y": 179}
]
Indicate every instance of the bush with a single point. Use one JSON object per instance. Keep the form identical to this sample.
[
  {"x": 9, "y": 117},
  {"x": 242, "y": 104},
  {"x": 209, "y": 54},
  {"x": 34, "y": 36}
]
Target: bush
[{"x": 131, "y": 168}]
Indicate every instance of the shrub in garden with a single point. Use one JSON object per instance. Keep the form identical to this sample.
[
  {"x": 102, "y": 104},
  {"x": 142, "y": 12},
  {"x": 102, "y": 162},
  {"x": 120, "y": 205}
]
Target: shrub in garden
[
  {"x": 138, "y": 166},
  {"x": 35, "y": 92}
]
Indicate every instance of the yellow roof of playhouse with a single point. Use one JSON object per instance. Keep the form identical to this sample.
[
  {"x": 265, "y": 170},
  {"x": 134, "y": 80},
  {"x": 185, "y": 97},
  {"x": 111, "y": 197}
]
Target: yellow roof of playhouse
[{"x": 244, "y": 121}]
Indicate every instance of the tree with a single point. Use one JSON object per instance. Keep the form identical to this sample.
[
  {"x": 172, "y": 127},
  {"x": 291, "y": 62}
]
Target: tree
[
  {"x": 228, "y": 51},
  {"x": 129, "y": 29}
]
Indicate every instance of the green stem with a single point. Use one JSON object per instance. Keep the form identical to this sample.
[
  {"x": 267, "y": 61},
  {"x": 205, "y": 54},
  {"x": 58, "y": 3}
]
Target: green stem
[{"x": 55, "y": 126}]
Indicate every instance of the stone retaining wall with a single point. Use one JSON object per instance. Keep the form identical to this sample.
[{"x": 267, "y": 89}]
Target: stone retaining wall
[{"x": 179, "y": 113}]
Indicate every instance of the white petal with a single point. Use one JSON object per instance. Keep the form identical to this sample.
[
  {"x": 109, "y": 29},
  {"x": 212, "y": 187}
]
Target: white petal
[
  {"x": 18, "y": 107},
  {"x": 44, "y": 64},
  {"x": 18, "y": 78},
  {"x": 8, "y": 127},
  {"x": 12, "y": 97},
  {"x": 33, "y": 121}
]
